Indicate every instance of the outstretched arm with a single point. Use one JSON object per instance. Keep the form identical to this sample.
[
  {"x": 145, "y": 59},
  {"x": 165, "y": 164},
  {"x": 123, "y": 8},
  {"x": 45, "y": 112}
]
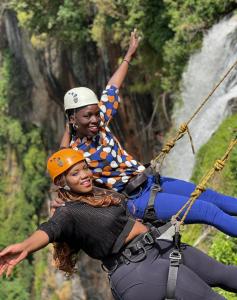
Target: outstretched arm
[
  {"x": 14, "y": 254},
  {"x": 120, "y": 74}
]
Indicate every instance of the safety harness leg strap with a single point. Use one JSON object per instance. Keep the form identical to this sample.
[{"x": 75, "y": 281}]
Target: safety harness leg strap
[
  {"x": 175, "y": 260},
  {"x": 149, "y": 214}
]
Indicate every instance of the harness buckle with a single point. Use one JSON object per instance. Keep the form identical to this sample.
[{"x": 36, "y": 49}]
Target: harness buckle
[
  {"x": 137, "y": 257},
  {"x": 175, "y": 254},
  {"x": 148, "y": 239},
  {"x": 109, "y": 271},
  {"x": 175, "y": 258}
]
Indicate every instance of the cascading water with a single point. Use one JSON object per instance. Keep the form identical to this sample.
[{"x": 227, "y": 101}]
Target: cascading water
[{"x": 204, "y": 71}]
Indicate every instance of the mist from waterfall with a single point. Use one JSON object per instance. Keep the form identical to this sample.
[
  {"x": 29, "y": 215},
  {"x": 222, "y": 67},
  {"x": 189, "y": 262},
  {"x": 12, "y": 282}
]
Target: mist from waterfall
[{"x": 204, "y": 71}]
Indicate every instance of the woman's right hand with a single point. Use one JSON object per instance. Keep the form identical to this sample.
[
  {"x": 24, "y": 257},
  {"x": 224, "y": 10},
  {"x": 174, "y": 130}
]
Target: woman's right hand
[
  {"x": 10, "y": 257},
  {"x": 133, "y": 45},
  {"x": 54, "y": 204}
]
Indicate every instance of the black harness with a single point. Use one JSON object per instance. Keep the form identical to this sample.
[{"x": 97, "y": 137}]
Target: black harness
[
  {"x": 175, "y": 261},
  {"x": 160, "y": 229}
]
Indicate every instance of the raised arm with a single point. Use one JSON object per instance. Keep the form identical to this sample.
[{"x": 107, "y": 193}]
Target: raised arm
[
  {"x": 120, "y": 74},
  {"x": 14, "y": 254}
]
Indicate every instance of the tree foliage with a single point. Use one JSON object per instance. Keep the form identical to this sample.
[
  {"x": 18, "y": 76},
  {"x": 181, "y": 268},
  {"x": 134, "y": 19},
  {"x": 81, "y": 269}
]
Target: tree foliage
[
  {"x": 22, "y": 183},
  {"x": 171, "y": 31}
]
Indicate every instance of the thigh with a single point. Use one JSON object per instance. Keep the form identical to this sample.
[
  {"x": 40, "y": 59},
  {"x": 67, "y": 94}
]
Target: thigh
[
  {"x": 184, "y": 188},
  {"x": 148, "y": 280},
  {"x": 207, "y": 268},
  {"x": 191, "y": 286},
  {"x": 142, "y": 280},
  {"x": 166, "y": 205},
  {"x": 176, "y": 186}
]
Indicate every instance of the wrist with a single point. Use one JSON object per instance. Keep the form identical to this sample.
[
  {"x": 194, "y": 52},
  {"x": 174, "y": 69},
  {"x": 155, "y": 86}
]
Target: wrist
[
  {"x": 128, "y": 57},
  {"x": 26, "y": 246}
]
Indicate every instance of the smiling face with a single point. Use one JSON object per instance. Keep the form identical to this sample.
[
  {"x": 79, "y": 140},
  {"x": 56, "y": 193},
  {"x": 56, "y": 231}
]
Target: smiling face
[
  {"x": 79, "y": 178},
  {"x": 87, "y": 119}
]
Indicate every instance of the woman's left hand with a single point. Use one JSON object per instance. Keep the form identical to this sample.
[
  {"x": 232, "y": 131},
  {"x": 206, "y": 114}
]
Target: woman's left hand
[
  {"x": 133, "y": 45},
  {"x": 10, "y": 257}
]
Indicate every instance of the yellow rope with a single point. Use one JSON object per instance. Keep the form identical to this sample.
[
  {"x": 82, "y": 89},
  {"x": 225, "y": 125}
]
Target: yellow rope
[
  {"x": 184, "y": 127},
  {"x": 200, "y": 188}
]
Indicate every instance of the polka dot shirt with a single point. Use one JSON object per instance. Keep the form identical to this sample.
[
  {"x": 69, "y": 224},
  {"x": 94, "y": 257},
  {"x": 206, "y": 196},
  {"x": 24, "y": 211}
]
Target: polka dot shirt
[{"x": 111, "y": 165}]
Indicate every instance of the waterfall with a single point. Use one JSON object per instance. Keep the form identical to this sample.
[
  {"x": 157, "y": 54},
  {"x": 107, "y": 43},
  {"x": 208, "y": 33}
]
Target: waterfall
[{"x": 204, "y": 71}]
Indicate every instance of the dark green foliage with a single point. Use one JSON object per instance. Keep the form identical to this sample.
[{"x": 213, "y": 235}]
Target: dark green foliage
[
  {"x": 172, "y": 30},
  {"x": 67, "y": 20},
  {"x": 189, "y": 20},
  {"x": 23, "y": 184},
  {"x": 221, "y": 247}
]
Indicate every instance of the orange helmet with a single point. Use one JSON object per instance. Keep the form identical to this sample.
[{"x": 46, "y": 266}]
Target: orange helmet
[{"x": 62, "y": 160}]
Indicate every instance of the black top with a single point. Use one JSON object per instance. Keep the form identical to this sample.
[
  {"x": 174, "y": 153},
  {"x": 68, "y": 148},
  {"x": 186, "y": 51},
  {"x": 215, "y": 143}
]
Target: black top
[{"x": 99, "y": 231}]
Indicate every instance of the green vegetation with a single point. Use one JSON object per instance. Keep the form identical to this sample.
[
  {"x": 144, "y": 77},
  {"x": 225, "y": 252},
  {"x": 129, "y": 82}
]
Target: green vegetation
[
  {"x": 22, "y": 185},
  {"x": 172, "y": 30},
  {"x": 219, "y": 246}
]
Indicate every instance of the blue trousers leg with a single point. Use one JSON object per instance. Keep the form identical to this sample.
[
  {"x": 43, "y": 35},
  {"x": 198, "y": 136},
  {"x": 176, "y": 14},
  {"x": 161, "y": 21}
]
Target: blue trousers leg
[
  {"x": 167, "y": 205},
  {"x": 179, "y": 187}
]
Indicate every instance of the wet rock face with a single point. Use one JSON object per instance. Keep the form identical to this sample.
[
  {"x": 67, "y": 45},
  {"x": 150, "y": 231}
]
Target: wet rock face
[
  {"x": 93, "y": 279},
  {"x": 232, "y": 107},
  {"x": 43, "y": 75}
]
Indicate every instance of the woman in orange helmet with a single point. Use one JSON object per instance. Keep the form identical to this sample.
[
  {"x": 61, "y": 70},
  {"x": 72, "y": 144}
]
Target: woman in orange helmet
[{"x": 96, "y": 220}]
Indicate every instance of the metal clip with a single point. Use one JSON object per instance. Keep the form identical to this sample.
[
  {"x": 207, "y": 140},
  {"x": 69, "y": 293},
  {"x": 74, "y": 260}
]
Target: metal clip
[
  {"x": 175, "y": 258},
  {"x": 138, "y": 257},
  {"x": 109, "y": 271},
  {"x": 148, "y": 239}
]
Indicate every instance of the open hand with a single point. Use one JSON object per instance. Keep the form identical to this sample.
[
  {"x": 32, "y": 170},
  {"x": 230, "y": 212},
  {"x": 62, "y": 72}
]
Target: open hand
[
  {"x": 133, "y": 44},
  {"x": 10, "y": 257}
]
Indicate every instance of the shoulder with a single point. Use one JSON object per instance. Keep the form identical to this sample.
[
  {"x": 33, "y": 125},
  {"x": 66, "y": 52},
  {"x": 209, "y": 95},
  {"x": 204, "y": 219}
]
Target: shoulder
[{"x": 110, "y": 90}]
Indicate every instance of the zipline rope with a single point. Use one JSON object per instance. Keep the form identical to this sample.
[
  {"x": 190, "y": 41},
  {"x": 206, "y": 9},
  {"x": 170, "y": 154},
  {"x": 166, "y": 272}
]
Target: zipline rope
[
  {"x": 184, "y": 127},
  {"x": 201, "y": 187}
]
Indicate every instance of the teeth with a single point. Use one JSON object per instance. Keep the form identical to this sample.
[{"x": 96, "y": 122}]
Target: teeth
[{"x": 85, "y": 182}]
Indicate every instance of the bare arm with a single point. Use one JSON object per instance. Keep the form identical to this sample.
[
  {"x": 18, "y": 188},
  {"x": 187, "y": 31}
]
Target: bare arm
[
  {"x": 120, "y": 74},
  {"x": 14, "y": 254}
]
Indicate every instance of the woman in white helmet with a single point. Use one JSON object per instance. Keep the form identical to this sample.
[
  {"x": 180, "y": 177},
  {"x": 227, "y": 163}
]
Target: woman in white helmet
[{"x": 114, "y": 168}]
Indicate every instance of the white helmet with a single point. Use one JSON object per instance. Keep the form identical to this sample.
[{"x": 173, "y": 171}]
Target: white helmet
[{"x": 78, "y": 97}]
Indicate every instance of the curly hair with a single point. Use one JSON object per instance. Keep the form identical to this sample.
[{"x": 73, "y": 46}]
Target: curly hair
[{"x": 65, "y": 257}]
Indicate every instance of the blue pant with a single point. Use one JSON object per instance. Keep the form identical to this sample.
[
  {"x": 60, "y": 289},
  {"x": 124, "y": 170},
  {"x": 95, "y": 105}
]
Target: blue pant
[{"x": 210, "y": 208}]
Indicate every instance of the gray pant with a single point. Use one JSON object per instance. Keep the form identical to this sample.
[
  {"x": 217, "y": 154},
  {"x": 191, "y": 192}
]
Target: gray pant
[{"x": 147, "y": 279}]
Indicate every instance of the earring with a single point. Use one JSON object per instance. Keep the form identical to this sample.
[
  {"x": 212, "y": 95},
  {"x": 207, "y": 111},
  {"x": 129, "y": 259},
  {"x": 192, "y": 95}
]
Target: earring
[
  {"x": 75, "y": 127},
  {"x": 66, "y": 187}
]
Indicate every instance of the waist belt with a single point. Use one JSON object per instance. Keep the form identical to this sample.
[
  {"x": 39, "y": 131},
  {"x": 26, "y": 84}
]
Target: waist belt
[
  {"x": 139, "y": 179},
  {"x": 135, "y": 250},
  {"x": 134, "y": 183}
]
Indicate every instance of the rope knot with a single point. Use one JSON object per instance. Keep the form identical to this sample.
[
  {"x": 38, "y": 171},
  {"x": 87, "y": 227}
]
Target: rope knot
[
  {"x": 199, "y": 189},
  {"x": 195, "y": 194},
  {"x": 183, "y": 127},
  {"x": 169, "y": 145},
  {"x": 219, "y": 165}
]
